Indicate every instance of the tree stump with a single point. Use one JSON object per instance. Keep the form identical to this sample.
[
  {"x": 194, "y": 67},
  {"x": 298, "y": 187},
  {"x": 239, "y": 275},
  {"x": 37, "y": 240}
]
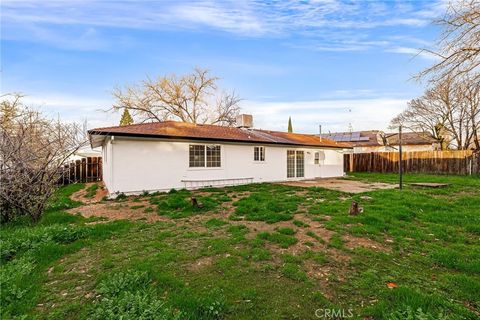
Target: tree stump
[
  {"x": 196, "y": 204},
  {"x": 355, "y": 209}
]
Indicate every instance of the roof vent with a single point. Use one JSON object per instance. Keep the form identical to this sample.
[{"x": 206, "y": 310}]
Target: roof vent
[{"x": 244, "y": 121}]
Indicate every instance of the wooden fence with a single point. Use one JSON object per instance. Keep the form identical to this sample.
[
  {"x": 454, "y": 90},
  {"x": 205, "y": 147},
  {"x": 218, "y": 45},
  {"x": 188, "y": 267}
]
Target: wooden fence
[
  {"x": 84, "y": 170},
  {"x": 463, "y": 162}
]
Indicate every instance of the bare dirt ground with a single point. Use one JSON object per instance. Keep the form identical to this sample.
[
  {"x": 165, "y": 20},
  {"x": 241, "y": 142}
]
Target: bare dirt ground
[
  {"x": 343, "y": 185},
  {"x": 81, "y": 195}
]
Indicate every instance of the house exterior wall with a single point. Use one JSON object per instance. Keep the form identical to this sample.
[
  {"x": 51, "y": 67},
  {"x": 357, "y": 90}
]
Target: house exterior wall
[
  {"x": 107, "y": 165},
  {"x": 134, "y": 165}
]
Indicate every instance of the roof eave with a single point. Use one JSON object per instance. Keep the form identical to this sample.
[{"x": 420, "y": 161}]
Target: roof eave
[{"x": 156, "y": 136}]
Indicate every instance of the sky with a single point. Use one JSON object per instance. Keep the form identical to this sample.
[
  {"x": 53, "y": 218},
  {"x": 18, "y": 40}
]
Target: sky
[{"x": 325, "y": 62}]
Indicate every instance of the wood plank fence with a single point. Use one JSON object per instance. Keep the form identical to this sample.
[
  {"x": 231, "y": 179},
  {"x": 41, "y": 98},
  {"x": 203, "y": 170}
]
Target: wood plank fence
[
  {"x": 461, "y": 162},
  {"x": 84, "y": 170}
]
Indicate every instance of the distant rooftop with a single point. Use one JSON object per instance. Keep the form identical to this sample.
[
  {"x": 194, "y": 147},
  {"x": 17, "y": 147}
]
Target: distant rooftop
[
  {"x": 357, "y": 138},
  {"x": 380, "y": 138}
]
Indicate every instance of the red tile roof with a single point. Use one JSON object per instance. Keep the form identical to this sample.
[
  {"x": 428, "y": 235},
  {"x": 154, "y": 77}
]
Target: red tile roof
[{"x": 183, "y": 130}]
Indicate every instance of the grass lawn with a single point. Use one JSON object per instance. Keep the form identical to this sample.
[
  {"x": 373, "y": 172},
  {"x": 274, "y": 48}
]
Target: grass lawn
[{"x": 259, "y": 251}]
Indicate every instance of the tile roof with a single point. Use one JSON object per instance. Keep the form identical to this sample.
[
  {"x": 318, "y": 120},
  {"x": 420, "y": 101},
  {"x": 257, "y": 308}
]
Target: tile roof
[
  {"x": 183, "y": 130},
  {"x": 411, "y": 138}
]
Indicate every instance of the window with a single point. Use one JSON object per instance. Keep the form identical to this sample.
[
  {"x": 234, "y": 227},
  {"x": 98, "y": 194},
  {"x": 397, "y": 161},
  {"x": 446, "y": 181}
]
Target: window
[
  {"x": 213, "y": 156},
  {"x": 204, "y": 155},
  {"x": 197, "y": 156},
  {"x": 317, "y": 158},
  {"x": 259, "y": 154}
]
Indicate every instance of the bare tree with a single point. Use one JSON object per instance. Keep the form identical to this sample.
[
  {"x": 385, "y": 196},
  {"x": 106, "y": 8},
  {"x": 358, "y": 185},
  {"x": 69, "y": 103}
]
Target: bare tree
[
  {"x": 470, "y": 93},
  {"x": 32, "y": 151},
  {"x": 448, "y": 111},
  {"x": 459, "y": 44},
  {"x": 193, "y": 98}
]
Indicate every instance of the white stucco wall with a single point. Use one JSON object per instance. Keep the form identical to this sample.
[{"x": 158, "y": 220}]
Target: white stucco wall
[{"x": 133, "y": 165}]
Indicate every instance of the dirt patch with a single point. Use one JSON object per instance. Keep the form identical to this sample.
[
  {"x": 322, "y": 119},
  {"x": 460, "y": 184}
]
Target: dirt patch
[
  {"x": 352, "y": 242},
  {"x": 201, "y": 263},
  {"x": 118, "y": 211},
  {"x": 81, "y": 195},
  {"x": 343, "y": 185}
]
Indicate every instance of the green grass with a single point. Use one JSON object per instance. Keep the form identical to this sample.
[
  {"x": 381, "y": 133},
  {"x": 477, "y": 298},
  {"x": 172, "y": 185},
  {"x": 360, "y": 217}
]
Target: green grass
[
  {"x": 261, "y": 206},
  {"x": 283, "y": 240},
  {"x": 91, "y": 191},
  {"x": 202, "y": 264}
]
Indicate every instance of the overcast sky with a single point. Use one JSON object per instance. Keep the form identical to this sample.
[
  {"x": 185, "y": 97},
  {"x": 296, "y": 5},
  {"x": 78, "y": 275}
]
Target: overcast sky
[{"x": 322, "y": 62}]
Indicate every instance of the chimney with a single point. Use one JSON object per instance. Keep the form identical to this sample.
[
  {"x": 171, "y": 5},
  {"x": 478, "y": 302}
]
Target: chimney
[{"x": 244, "y": 121}]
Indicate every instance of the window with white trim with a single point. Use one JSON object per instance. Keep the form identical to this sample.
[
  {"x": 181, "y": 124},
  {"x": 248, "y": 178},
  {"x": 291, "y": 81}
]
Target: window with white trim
[
  {"x": 258, "y": 153},
  {"x": 204, "y": 156},
  {"x": 317, "y": 157}
]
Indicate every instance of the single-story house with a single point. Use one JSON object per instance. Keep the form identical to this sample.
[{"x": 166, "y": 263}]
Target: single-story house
[
  {"x": 379, "y": 141},
  {"x": 160, "y": 156},
  {"x": 85, "y": 152}
]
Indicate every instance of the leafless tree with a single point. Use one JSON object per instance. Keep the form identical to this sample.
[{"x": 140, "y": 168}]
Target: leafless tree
[
  {"x": 193, "y": 98},
  {"x": 470, "y": 93},
  {"x": 450, "y": 112},
  {"x": 32, "y": 152},
  {"x": 459, "y": 44}
]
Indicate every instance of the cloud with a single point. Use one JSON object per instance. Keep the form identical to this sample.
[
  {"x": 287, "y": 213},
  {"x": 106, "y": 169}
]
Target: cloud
[
  {"x": 414, "y": 52},
  {"x": 294, "y": 19},
  {"x": 363, "y": 108},
  {"x": 333, "y": 115},
  {"x": 73, "y": 108}
]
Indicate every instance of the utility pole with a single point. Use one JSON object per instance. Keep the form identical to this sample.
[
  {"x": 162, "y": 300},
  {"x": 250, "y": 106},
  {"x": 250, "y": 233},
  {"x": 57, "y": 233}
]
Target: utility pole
[
  {"x": 400, "y": 164},
  {"x": 320, "y": 131}
]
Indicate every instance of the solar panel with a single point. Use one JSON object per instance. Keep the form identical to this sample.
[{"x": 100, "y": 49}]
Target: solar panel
[{"x": 355, "y": 136}]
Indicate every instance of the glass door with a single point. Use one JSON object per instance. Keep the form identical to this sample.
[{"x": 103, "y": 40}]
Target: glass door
[
  {"x": 290, "y": 163},
  {"x": 295, "y": 164},
  {"x": 300, "y": 163}
]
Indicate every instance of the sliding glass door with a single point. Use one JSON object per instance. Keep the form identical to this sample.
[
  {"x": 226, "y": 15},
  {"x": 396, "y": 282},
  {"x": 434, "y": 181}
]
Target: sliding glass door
[
  {"x": 290, "y": 163},
  {"x": 295, "y": 164}
]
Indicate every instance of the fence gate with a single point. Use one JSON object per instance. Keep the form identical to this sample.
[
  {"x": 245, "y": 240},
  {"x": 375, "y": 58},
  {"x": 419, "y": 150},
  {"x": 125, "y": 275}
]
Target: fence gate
[{"x": 83, "y": 170}]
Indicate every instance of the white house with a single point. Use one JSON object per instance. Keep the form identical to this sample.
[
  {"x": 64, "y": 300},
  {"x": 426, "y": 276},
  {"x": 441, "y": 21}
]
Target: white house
[{"x": 164, "y": 155}]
